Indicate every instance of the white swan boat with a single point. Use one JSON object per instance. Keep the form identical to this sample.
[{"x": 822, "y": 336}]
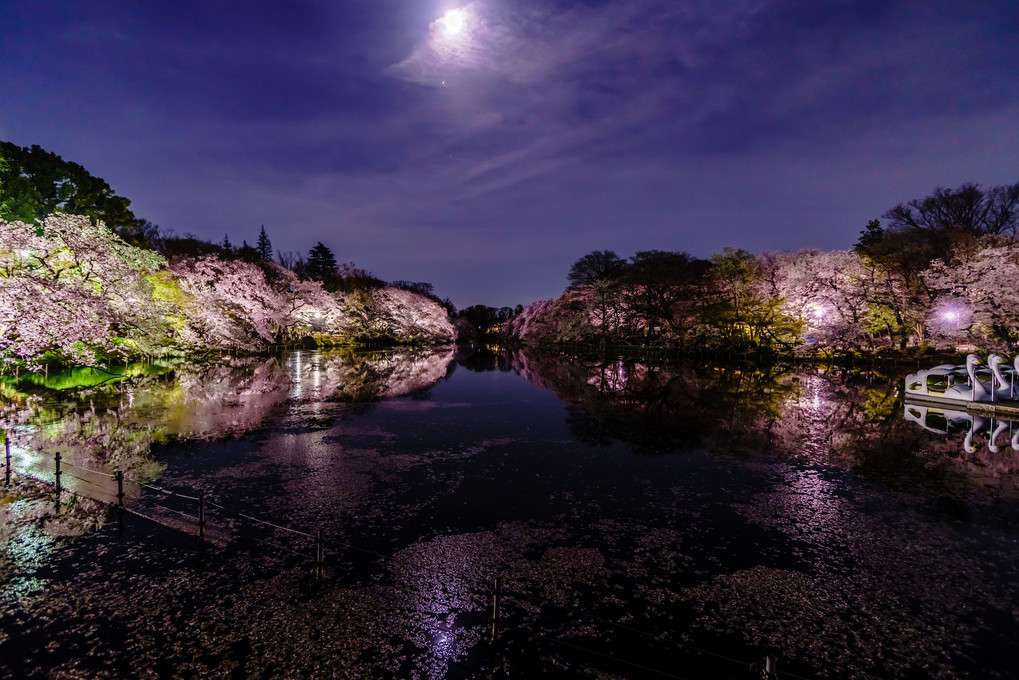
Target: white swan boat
[{"x": 998, "y": 382}]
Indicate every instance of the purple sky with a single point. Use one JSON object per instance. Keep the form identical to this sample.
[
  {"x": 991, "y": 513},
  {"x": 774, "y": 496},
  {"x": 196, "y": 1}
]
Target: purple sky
[{"x": 489, "y": 161}]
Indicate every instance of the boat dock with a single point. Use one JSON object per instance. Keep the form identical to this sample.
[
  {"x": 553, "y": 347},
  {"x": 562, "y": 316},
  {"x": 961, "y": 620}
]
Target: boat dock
[
  {"x": 1003, "y": 409},
  {"x": 998, "y": 409}
]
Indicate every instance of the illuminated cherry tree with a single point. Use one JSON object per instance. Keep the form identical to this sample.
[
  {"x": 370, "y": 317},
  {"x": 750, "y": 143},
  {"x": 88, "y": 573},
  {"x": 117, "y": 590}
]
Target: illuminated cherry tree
[
  {"x": 575, "y": 316},
  {"x": 229, "y": 304},
  {"x": 73, "y": 288},
  {"x": 978, "y": 296},
  {"x": 393, "y": 313},
  {"x": 532, "y": 323},
  {"x": 828, "y": 291},
  {"x": 306, "y": 306},
  {"x": 410, "y": 315}
]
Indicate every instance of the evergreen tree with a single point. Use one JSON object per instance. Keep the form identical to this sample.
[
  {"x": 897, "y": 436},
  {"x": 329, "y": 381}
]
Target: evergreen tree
[
  {"x": 263, "y": 246},
  {"x": 321, "y": 265}
]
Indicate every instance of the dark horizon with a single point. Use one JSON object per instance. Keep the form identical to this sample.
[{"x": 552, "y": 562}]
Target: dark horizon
[{"x": 486, "y": 161}]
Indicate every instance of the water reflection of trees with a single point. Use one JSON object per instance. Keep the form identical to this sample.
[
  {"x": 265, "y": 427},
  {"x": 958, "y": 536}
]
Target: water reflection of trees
[
  {"x": 849, "y": 419},
  {"x": 112, "y": 426},
  {"x": 393, "y": 373},
  {"x": 657, "y": 408},
  {"x": 483, "y": 358}
]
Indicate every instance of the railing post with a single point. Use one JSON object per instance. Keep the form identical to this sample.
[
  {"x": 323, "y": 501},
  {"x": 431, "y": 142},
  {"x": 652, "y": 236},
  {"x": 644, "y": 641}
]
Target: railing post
[
  {"x": 767, "y": 671},
  {"x": 7, "y": 474},
  {"x": 494, "y": 620},
  {"x": 201, "y": 514},
  {"x": 320, "y": 555},
  {"x": 120, "y": 489},
  {"x": 56, "y": 458}
]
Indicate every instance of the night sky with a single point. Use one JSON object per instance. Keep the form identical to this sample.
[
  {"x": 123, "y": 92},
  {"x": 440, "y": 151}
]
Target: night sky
[{"x": 487, "y": 161}]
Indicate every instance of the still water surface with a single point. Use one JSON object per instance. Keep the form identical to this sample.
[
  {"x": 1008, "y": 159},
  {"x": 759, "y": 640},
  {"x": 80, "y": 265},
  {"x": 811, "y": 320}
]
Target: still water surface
[{"x": 645, "y": 521}]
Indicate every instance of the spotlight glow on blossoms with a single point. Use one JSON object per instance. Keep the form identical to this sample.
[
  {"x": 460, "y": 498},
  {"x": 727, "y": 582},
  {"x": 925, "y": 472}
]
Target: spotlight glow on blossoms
[
  {"x": 453, "y": 22},
  {"x": 951, "y": 317}
]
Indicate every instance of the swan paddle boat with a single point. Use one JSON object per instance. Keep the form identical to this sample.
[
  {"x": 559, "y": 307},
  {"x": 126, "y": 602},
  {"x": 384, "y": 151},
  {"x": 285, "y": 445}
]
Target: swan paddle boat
[{"x": 995, "y": 381}]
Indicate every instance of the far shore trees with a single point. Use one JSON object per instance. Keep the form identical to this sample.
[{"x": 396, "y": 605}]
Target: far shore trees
[
  {"x": 941, "y": 271},
  {"x": 665, "y": 289},
  {"x": 601, "y": 272},
  {"x": 945, "y": 227},
  {"x": 84, "y": 281},
  {"x": 748, "y": 311}
]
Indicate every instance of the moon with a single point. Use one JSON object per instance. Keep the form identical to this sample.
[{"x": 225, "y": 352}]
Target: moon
[{"x": 453, "y": 22}]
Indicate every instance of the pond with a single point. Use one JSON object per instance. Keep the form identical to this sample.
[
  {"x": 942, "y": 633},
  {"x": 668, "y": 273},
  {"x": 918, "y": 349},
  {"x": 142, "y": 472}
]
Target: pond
[{"x": 633, "y": 520}]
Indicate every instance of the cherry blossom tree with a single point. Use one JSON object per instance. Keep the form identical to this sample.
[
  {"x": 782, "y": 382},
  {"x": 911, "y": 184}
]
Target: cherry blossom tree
[
  {"x": 394, "y": 314},
  {"x": 531, "y": 324},
  {"x": 229, "y": 305},
  {"x": 73, "y": 288},
  {"x": 978, "y": 295},
  {"x": 575, "y": 316},
  {"x": 828, "y": 292},
  {"x": 306, "y": 306}
]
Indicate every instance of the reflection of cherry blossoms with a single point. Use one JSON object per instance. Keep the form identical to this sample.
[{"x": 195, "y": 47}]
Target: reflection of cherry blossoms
[
  {"x": 844, "y": 419},
  {"x": 112, "y": 427},
  {"x": 377, "y": 375}
]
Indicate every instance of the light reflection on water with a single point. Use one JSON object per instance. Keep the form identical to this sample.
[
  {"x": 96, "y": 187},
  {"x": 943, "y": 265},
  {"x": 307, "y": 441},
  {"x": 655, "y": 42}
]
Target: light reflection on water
[{"x": 627, "y": 507}]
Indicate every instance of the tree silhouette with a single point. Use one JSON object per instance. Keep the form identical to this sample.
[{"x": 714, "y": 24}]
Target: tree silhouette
[
  {"x": 969, "y": 209},
  {"x": 321, "y": 265},
  {"x": 35, "y": 183},
  {"x": 263, "y": 246},
  {"x": 596, "y": 266}
]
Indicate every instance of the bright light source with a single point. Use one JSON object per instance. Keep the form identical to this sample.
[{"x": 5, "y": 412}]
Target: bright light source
[
  {"x": 453, "y": 22},
  {"x": 951, "y": 316}
]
